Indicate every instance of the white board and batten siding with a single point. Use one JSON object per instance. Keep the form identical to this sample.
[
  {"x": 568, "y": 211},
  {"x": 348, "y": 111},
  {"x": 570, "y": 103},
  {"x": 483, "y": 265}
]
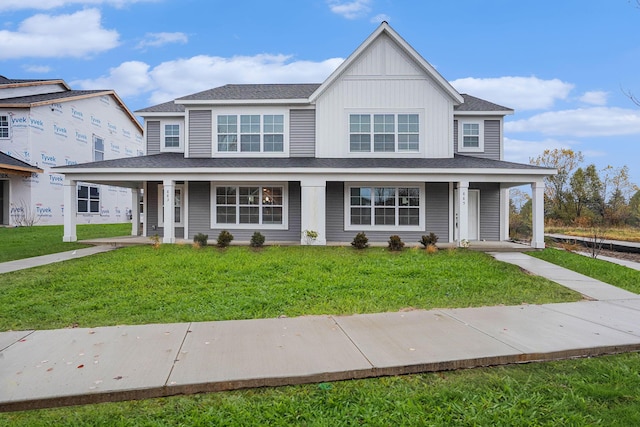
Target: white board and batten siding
[{"x": 384, "y": 80}]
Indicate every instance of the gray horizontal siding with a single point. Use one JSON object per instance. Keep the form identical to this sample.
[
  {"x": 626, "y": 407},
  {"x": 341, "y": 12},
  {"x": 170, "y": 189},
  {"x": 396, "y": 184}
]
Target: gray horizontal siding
[
  {"x": 491, "y": 140},
  {"x": 437, "y": 209},
  {"x": 199, "y": 199},
  {"x": 200, "y": 137},
  {"x": 153, "y": 137},
  {"x": 302, "y": 133},
  {"x": 489, "y": 210}
]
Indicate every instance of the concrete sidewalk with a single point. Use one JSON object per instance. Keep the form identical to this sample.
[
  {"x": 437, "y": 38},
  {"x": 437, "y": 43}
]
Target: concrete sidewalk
[{"x": 48, "y": 368}]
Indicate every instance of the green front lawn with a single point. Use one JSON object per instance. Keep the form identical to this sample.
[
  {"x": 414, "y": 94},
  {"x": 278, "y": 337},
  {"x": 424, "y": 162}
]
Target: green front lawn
[
  {"x": 601, "y": 391},
  {"x": 613, "y": 274},
  {"x": 26, "y": 242},
  {"x": 178, "y": 283}
]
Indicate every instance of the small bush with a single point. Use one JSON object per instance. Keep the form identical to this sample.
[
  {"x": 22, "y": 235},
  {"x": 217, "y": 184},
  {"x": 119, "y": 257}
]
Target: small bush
[
  {"x": 431, "y": 249},
  {"x": 395, "y": 243},
  {"x": 360, "y": 241},
  {"x": 201, "y": 239},
  {"x": 155, "y": 241},
  {"x": 430, "y": 239},
  {"x": 257, "y": 240},
  {"x": 224, "y": 239}
]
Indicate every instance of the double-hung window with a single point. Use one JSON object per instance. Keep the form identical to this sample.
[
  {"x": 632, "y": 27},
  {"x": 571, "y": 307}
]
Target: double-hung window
[
  {"x": 377, "y": 207},
  {"x": 249, "y": 205},
  {"x": 171, "y": 136},
  {"x": 255, "y": 133},
  {"x": 4, "y": 127},
  {"x": 98, "y": 148},
  {"x": 390, "y": 133},
  {"x": 471, "y": 136},
  {"x": 88, "y": 199}
]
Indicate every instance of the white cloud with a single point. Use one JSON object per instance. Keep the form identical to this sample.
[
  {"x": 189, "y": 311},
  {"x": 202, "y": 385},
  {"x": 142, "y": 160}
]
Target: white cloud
[
  {"x": 350, "y": 9},
  {"x": 520, "y": 151},
  {"x": 380, "y": 17},
  {"x": 52, "y": 4},
  {"x": 181, "y": 77},
  {"x": 581, "y": 122},
  {"x": 160, "y": 39},
  {"x": 37, "y": 68},
  {"x": 520, "y": 93},
  {"x": 595, "y": 97},
  {"x": 43, "y": 36}
]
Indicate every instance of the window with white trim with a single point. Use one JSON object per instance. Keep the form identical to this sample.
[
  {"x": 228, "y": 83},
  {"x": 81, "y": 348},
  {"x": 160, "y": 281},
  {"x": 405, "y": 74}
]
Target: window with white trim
[
  {"x": 384, "y": 207},
  {"x": 171, "y": 136},
  {"x": 88, "y": 199},
  {"x": 178, "y": 205},
  {"x": 471, "y": 136},
  {"x": 98, "y": 148},
  {"x": 390, "y": 133},
  {"x": 256, "y": 133},
  {"x": 4, "y": 127},
  {"x": 249, "y": 205}
]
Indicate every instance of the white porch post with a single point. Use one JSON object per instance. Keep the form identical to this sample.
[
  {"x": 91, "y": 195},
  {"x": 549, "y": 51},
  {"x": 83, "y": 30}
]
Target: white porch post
[
  {"x": 463, "y": 211},
  {"x": 537, "y": 194},
  {"x": 504, "y": 213},
  {"x": 135, "y": 211},
  {"x": 169, "y": 190},
  {"x": 313, "y": 210},
  {"x": 70, "y": 209}
]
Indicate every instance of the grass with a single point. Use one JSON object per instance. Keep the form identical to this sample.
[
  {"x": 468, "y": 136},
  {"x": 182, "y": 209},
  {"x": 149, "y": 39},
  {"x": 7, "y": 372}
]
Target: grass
[
  {"x": 599, "y": 391},
  {"x": 613, "y": 274},
  {"x": 629, "y": 234},
  {"x": 26, "y": 242},
  {"x": 178, "y": 283}
]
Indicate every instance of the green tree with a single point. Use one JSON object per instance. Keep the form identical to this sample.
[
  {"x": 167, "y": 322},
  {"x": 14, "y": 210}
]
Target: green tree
[
  {"x": 634, "y": 209},
  {"x": 586, "y": 193}
]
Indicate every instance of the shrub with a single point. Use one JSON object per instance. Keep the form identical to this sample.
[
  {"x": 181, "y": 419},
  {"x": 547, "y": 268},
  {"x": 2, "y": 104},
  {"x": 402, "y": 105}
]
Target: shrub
[
  {"x": 395, "y": 243},
  {"x": 257, "y": 240},
  {"x": 430, "y": 239},
  {"x": 360, "y": 241},
  {"x": 224, "y": 239},
  {"x": 201, "y": 239},
  {"x": 155, "y": 241},
  {"x": 431, "y": 249}
]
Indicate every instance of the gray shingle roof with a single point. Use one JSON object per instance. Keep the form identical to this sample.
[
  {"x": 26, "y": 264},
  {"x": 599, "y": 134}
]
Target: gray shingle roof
[
  {"x": 6, "y": 81},
  {"x": 166, "y": 107},
  {"x": 471, "y": 103},
  {"x": 54, "y": 96},
  {"x": 255, "y": 91},
  {"x": 178, "y": 161},
  {"x": 7, "y": 160}
]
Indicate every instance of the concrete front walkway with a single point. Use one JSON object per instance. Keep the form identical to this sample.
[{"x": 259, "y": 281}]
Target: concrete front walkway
[
  {"x": 75, "y": 366},
  {"x": 21, "y": 264}
]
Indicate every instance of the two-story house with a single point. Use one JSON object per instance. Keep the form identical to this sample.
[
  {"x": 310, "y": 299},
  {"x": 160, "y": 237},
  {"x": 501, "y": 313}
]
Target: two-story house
[
  {"x": 384, "y": 145},
  {"x": 45, "y": 123}
]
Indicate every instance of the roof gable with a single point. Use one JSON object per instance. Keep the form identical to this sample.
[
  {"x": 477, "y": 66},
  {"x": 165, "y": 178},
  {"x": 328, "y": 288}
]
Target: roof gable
[{"x": 384, "y": 41}]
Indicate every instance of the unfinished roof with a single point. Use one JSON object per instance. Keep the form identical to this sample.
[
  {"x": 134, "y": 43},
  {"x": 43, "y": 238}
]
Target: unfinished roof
[
  {"x": 11, "y": 165},
  {"x": 44, "y": 98}
]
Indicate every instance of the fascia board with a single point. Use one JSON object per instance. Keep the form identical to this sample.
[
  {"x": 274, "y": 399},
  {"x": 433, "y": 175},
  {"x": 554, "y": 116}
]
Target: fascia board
[
  {"x": 293, "y": 101},
  {"x": 483, "y": 113},
  {"x": 166, "y": 114}
]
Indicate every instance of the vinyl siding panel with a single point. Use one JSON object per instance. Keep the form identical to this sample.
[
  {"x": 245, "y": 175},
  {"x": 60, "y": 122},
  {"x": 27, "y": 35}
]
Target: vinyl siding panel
[
  {"x": 153, "y": 137},
  {"x": 489, "y": 210},
  {"x": 437, "y": 210},
  {"x": 200, "y": 217},
  {"x": 302, "y": 133},
  {"x": 200, "y": 137},
  {"x": 491, "y": 140}
]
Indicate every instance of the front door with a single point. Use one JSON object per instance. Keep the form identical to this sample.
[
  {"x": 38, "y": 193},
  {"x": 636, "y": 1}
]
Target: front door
[{"x": 474, "y": 215}]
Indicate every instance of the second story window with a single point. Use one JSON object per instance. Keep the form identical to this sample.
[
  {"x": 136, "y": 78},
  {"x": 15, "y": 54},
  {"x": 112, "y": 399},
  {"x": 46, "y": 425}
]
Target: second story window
[
  {"x": 98, "y": 148},
  {"x": 171, "y": 136},
  {"x": 471, "y": 136},
  {"x": 255, "y": 133},
  {"x": 4, "y": 127},
  {"x": 390, "y": 133}
]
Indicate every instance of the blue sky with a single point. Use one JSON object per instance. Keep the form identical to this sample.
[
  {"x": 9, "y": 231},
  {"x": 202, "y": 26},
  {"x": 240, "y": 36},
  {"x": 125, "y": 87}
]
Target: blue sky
[{"x": 562, "y": 65}]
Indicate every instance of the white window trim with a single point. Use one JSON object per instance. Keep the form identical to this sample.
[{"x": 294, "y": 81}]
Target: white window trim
[
  {"x": 256, "y": 227},
  {"x": 88, "y": 212},
  {"x": 8, "y": 126},
  {"x": 180, "y": 147},
  {"x": 396, "y": 228},
  {"x": 265, "y": 111},
  {"x": 93, "y": 147},
  {"x": 395, "y": 112},
  {"x": 183, "y": 211},
  {"x": 461, "y": 147}
]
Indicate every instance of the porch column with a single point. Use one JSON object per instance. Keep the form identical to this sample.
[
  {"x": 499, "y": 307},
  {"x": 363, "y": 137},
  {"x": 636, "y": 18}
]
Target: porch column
[
  {"x": 504, "y": 213},
  {"x": 313, "y": 210},
  {"x": 463, "y": 211},
  {"x": 169, "y": 190},
  {"x": 135, "y": 211},
  {"x": 537, "y": 194},
  {"x": 70, "y": 209}
]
